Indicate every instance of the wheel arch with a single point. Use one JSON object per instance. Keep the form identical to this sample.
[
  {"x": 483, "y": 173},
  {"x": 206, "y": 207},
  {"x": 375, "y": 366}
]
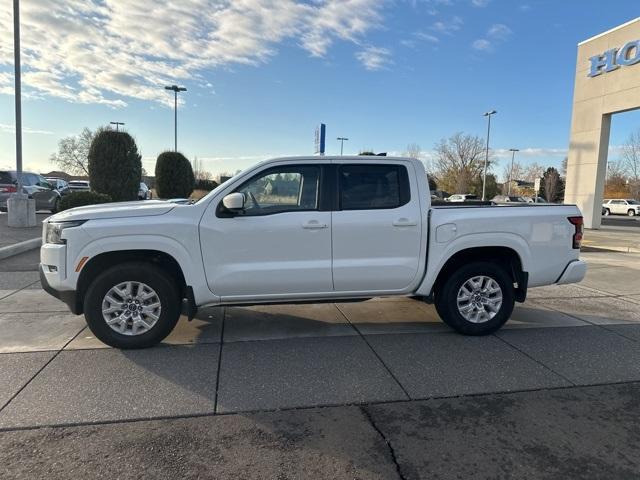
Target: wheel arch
[
  {"x": 102, "y": 261},
  {"x": 507, "y": 257}
]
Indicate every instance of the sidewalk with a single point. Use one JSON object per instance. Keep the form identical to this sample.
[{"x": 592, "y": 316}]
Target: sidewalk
[
  {"x": 11, "y": 236},
  {"x": 619, "y": 239}
]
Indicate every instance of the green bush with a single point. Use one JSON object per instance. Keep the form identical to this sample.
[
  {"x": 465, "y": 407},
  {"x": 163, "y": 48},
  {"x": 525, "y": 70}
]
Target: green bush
[
  {"x": 174, "y": 176},
  {"x": 115, "y": 168},
  {"x": 80, "y": 199}
]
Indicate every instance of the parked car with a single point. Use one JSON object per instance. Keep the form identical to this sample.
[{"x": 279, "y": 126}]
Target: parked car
[
  {"x": 461, "y": 197},
  {"x": 508, "y": 199},
  {"x": 79, "y": 185},
  {"x": 535, "y": 200},
  {"x": 145, "y": 192},
  {"x": 34, "y": 185},
  {"x": 60, "y": 185},
  {"x": 621, "y": 206},
  {"x": 276, "y": 233}
]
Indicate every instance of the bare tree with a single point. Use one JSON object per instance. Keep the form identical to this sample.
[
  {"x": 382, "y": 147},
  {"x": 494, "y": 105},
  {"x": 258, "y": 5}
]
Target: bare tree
[
  {"x": 413, "y": 151},
  {"x": 73, "y": 153},
  {"x": 630, "y": 158},
  {"x": 198, "y": 172},
  {"x": 459, "y": 161},
  {"x": 532, "y": 171},
  {"x": 517, "y": 173}
]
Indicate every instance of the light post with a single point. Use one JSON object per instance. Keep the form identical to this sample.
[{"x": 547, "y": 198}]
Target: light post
[
  {"x": 175, "y": 90},
  {"x": 486, "y": 157},
  {"x": 342, "y": 140},
  {"x": 513, "y": 154},
  {"x": 21, "y": 210},
  {"x": 117, "y": 124}
]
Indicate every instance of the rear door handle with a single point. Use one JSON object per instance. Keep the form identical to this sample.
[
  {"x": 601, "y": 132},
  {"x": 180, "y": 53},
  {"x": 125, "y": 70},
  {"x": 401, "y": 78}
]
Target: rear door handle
[
  {"x": 404, "y": 222},
  {"x": 314, "y": 225}
]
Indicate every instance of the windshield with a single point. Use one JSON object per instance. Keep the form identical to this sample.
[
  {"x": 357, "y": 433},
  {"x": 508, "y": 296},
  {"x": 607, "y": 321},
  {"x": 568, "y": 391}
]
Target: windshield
[{"x": 633, "y": 202}]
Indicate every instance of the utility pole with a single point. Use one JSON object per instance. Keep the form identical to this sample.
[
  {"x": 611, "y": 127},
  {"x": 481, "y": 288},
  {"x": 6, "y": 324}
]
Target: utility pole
[
  {"x": 117, "y": 124},
  {"x": 486, "y": 158},
  {"x": 175, "y": 90},
  {"x": 513, "y": 154},
  {"x": 342, "y": 140}
]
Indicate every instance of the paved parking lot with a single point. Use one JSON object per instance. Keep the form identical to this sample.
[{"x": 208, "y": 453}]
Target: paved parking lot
[
  {"x": 361, "y": 369},
  {"x": 278, "y": 357}
]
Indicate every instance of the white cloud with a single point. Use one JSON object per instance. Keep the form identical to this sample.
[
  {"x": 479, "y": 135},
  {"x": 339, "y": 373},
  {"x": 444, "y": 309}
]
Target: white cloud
[
  {"x": 480, "y": 3},
  {"x": 448, "y": 27},
  {"x": 481, "y": 44},
  {"x": 497, "y": 33},
  {"x": 427, "y": 37},
  {"x": 374, "y": 58},
  {"x": 109, "y": 51},
  {"x": 6, "y": 128}
]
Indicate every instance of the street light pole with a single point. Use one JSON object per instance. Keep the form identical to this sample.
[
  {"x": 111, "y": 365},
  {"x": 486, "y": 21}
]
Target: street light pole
[
  {"x": 486, "y": 157},
  {"x": 175, "y": 90},
  {"x": 18, "y": 92},
  {"x": 117, "y": 124},
  {"x": 342, "y": 139},
  {"x": 513, "y": 154}
]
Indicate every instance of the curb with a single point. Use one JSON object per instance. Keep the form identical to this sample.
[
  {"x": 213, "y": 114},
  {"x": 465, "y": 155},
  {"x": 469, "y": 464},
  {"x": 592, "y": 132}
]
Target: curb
[
  {"x": 609, "y": 248},
  {"x": 21, "y": 247}
]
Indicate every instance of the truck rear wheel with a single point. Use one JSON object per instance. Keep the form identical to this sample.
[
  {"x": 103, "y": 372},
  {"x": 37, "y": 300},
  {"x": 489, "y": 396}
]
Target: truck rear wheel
[
  {"x": 476, "y": 299},
  {"x": 132, "y": 305}
]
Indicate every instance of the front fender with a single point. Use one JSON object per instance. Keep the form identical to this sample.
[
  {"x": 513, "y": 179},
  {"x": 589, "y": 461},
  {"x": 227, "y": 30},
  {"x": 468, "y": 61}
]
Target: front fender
[{"x": 189, "y": 260}]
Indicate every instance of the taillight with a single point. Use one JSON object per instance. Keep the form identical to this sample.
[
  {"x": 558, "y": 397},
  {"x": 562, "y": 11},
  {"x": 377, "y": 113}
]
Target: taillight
[
  {"x": 9, "y": 189},
  {"x": 578, "y": 223}
]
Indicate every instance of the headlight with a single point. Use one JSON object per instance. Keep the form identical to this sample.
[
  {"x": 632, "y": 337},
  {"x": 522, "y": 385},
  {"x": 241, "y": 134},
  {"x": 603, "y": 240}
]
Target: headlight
[{"x": 53, "y": 230}]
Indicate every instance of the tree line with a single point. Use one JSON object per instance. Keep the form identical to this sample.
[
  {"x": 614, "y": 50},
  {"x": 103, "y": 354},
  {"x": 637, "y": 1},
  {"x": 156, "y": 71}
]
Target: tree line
[{"x": 111, "y": 161}]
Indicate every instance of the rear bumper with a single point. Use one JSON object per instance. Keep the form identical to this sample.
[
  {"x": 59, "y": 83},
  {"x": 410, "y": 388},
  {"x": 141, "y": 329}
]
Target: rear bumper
[
  {"x": 574, "y": 273},
  {"x": 69, "y": 297}
]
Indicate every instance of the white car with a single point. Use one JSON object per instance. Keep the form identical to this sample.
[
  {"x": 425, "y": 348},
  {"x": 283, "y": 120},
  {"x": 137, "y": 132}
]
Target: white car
[
  {"x": 461, "y": 197},
  {"x": 621, "y": 206},
  {"x": 79, "y": 185},
  {"x": 304, "y": 229}
]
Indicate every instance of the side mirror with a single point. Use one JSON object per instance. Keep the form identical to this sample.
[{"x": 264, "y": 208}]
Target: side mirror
[{"x": 234, "y": 201}]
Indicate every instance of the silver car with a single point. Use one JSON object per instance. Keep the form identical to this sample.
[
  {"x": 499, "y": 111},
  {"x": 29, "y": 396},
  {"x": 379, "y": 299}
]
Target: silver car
[{"x": 34, "y": 185}]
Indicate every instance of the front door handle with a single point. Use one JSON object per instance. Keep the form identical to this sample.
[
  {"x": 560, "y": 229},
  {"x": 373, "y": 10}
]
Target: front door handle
[
  {"x": 313, "y": 225},
  {"x": 404, "y": 222}
]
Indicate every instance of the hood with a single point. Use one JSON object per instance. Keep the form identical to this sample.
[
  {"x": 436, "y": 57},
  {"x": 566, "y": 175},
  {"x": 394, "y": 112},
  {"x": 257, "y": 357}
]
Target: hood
[{"x": 138, "y": 208}]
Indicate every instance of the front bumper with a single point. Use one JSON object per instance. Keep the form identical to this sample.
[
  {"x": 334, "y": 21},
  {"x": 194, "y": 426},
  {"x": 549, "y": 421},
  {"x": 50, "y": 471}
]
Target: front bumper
[
  {"x": 574, "y": 273},
  {"x": 70, "y": 297}
]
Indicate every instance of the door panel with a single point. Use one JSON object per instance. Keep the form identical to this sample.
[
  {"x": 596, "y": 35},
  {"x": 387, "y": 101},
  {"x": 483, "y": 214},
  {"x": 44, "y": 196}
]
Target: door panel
[
  {"x": 268, "y": 255},
  {"x": 280, "y": 244},
  {"x": 376, "y": 245}
]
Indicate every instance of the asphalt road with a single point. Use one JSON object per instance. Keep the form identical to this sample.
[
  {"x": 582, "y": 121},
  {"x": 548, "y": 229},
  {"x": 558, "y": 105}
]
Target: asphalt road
[
  {"x": 621, "y": 221},
  {"x": 576, "y": 433}
]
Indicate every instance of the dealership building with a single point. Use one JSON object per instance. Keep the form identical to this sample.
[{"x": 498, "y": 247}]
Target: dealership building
[{"x": 607, "y": 82}]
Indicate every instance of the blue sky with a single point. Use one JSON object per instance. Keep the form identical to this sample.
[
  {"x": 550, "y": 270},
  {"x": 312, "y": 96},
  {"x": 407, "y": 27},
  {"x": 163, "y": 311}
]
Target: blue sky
[{"x": 261, "y": 74}]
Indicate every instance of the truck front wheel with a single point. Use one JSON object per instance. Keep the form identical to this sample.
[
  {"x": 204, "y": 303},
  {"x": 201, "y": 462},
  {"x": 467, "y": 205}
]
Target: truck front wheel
[
  {"x": 132, "y": 305},
  {"x": 476, "y": 299}
]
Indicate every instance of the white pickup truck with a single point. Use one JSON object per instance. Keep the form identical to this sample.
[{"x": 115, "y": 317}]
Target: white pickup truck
[{"x": 304, "y": 229}]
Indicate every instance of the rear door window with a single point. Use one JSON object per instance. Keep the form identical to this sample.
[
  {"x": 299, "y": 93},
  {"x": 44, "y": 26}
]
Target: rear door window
[{"x": 370, "y": 187}]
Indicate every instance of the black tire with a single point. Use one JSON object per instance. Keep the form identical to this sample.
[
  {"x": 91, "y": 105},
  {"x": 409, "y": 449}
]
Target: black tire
[
  {"x": 56, "y": 206},
  {"x": 156, "y": 278},
  {"x": 607, "y": 212},
  {"x": 631, "y": 213},
  {"x": 447, "y": 305}
]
